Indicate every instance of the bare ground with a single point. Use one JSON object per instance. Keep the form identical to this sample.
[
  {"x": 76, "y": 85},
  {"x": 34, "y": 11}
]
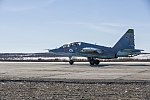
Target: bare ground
[{"x": 56, "y": 89}]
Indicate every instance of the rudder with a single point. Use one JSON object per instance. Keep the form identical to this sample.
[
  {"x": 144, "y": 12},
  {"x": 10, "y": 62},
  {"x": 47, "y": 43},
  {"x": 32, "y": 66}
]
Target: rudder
[{"x": 126, "y": 41}]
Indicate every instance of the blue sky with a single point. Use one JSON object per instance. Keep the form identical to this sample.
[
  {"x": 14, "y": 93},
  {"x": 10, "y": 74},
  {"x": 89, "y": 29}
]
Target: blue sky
[{"x": 35, "y": 25}]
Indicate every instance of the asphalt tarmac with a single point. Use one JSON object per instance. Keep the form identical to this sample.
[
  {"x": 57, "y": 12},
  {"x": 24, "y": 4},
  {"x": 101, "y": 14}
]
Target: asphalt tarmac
[
  {"x": 61, "y": 81},
  {"x": 62, "y": 70}
]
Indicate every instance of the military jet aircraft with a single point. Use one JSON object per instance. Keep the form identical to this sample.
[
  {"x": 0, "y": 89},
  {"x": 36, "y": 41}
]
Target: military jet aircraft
[{"x": 125, "y": 47}]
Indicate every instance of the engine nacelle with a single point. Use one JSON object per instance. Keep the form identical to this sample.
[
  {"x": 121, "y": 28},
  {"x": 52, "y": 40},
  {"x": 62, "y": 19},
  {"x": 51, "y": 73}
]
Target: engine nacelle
[
  {"x": 91, "y": 50},
  {"x": 123, "y": 54}
]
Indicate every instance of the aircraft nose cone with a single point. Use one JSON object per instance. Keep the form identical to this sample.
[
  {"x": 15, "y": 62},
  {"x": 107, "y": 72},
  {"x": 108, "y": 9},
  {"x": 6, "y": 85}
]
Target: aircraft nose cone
[{"x": 51, "y": 50}]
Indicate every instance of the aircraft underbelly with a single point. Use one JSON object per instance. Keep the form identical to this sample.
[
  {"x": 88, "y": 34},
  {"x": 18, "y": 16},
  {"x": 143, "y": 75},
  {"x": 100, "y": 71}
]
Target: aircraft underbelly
[{"x": 101, "y": 56}]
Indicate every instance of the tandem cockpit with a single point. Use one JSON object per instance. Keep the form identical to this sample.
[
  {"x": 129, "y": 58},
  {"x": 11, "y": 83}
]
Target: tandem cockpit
[
  {"x": 74, "y": 44},
  {"x": 67, "y": 49}
]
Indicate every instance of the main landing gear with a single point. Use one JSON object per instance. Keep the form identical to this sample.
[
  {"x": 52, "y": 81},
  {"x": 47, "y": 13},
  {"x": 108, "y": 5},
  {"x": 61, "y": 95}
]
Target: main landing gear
[
  {"x": 94, "y": 61},
  {"x": 91, "y": 60}
]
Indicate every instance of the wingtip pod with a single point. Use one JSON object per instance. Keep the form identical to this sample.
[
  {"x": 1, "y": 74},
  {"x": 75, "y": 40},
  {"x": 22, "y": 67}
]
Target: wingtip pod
[{"x": 130, "y": 31}]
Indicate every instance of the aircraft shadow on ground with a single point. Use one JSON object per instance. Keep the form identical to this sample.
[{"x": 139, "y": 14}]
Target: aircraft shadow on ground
[{"x": 103, "y": 65}]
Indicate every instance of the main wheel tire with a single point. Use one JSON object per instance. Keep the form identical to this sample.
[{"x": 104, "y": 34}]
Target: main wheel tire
[
  {"x": 91, "y": 62},
  {"x": 71, "y": 62},
  {"x": 96, "y": 62}
]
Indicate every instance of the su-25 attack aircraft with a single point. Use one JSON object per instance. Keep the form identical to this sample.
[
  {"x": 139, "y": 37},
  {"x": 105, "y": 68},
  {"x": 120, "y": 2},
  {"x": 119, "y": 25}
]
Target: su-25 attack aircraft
[{"x": 125, "y": 47}]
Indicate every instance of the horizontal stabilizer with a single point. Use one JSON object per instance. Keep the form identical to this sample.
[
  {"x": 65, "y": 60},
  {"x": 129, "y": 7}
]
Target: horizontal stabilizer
[{"x": 145, "y": 53}]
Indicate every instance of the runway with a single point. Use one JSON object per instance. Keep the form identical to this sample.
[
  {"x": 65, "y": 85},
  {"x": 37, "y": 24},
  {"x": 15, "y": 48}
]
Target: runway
[
  {"x": 61, "y": 81},
  {"x": 62, "y": 70}
]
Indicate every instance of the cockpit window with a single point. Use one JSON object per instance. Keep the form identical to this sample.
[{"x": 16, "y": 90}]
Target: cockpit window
[
  {"x": 71, "y": 44},
  {"x": 65, "y": 46},
  {"x": 75, "y": 44},
  {"x": 79, "y": 43}
]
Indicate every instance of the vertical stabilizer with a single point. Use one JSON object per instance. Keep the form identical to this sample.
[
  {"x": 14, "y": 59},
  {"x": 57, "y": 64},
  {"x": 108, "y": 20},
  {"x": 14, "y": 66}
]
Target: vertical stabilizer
[{"x": 126, "y": 41}]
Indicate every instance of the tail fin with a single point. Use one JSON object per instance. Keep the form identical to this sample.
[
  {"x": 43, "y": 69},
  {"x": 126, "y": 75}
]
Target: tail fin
[{"x": 126, "y": 41}]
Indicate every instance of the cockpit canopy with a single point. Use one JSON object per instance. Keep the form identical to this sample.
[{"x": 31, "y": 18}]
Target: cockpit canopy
[{"x": 74, "y": 44}]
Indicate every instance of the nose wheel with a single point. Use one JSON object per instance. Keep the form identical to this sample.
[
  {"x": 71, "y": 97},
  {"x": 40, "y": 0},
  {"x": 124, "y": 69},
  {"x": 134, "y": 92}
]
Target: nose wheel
[{"x": 71, "y": 62}]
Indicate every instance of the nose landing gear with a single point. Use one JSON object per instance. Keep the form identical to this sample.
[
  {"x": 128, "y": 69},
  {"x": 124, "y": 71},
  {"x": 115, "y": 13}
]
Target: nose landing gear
[{"x": 71, "y": 62}]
